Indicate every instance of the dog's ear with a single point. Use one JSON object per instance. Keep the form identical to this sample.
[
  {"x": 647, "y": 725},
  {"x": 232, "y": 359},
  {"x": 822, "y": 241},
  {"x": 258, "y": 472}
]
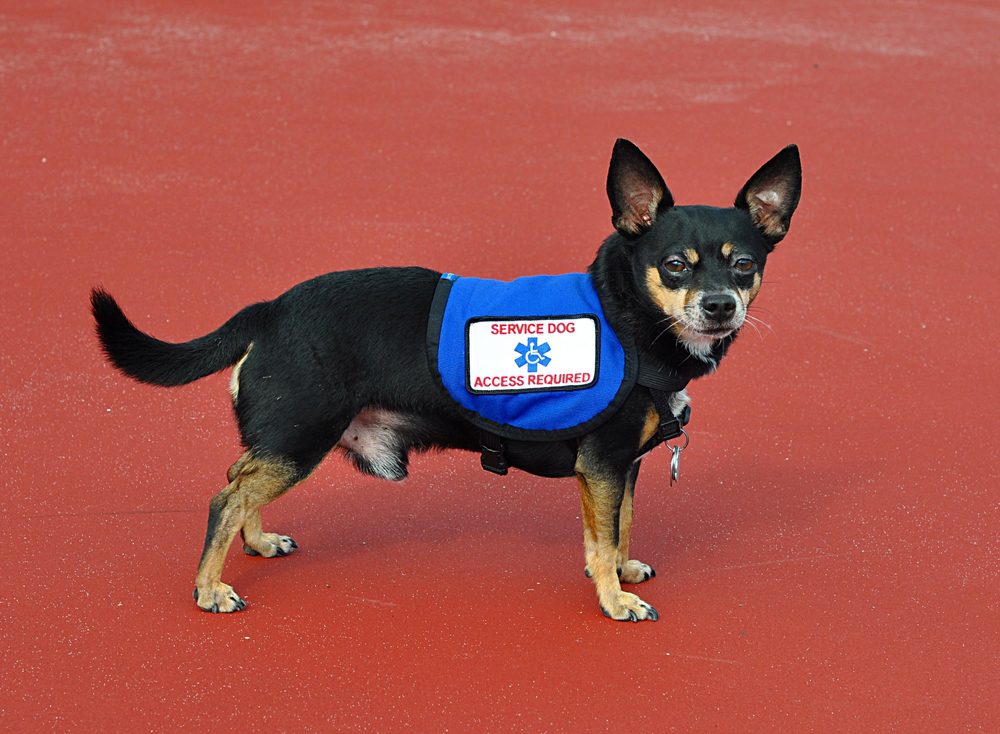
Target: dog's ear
[
  {"x": 635, "y": 189},
  {"x": 771, "y": 194}
]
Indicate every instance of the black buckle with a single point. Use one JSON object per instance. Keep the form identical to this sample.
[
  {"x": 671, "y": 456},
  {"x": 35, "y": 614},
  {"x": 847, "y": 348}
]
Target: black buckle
[
  {"x": 672, "y": 428},
  {"x": 493, "y": 458}
]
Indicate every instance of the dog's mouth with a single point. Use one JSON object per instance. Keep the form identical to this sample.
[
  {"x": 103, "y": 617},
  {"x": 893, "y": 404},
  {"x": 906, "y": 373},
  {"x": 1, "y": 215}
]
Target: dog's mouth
[
  {"x": 715, "y": 332},
  {"x": 701, "y": 332}
]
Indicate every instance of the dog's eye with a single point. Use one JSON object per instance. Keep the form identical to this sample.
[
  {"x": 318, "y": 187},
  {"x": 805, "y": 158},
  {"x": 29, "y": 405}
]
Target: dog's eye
[
  {"x": 745, "y": 265},
  {"x": 673, "y": 265}
]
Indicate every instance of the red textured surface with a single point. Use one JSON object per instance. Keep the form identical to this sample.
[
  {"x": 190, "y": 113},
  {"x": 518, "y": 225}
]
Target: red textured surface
[{"x": 829, "y": 561}]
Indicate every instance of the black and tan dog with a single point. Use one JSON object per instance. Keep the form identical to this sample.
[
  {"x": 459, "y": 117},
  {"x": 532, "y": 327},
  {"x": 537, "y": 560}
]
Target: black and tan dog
[{"x": 339, "y": 361}]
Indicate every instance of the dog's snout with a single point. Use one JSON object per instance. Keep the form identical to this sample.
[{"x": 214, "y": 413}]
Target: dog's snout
[{"x": 718, "y": 306}]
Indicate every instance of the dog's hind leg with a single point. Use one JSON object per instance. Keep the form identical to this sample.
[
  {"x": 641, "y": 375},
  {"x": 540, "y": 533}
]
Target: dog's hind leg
[
  {"x": 234, "y": 470},
  {"x": 256, "y": 482},
  {"x": 255, "y": 541},
  {"x": 258, "y": 543}
]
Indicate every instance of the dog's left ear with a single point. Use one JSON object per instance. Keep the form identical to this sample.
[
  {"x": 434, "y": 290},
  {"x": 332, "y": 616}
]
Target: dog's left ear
[
  {"x": 771, "y": 194},
  {"x": 635, "y": 189}
]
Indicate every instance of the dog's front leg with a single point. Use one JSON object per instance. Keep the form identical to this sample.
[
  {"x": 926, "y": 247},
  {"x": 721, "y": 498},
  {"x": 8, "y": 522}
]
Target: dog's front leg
[
  {"x": 630, "y": 571},
  {"x": 601, "y": 496}
]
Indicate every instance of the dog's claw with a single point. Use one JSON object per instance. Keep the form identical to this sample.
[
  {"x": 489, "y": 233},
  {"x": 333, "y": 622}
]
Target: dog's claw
[
  {"x": 270, "y": 545},
  {"x": 632, "y": 609},
  {"x": 635, "y": 572},
  {"x": 219, "y": 598}
]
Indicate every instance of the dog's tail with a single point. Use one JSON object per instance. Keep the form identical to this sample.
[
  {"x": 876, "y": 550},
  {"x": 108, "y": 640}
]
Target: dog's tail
[{"x": 156, "y": 362}]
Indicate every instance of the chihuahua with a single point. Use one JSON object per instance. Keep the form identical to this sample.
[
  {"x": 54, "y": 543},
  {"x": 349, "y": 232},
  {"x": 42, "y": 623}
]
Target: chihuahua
[{"x": 341, "y": 361}]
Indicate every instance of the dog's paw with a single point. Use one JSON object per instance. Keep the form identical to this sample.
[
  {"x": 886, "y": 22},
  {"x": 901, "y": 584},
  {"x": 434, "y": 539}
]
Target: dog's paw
[
  {"x": 269, "y": 545},
  {"x": 627, "y": 607},
  {"x": 635, "y": 572},
  {"x": 218, "y": 597}
]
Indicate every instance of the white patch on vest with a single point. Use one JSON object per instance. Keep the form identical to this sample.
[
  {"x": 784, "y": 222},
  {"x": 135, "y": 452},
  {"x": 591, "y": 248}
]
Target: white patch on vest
[{"x": 531, "y": 354}]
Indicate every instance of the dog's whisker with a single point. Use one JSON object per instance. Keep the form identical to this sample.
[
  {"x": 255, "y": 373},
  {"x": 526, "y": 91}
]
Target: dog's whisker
[
  {"x": 754, "y": 326},
  {"x": 755, "y": 319}
]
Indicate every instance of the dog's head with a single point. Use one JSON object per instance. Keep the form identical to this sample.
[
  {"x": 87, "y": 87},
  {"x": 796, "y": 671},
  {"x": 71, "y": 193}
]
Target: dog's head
[{"x": 700, "y": 267}]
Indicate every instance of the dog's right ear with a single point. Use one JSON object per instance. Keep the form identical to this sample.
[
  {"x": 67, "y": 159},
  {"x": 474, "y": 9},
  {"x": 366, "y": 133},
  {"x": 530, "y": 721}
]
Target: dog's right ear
[{"x": 635, "y": 189}]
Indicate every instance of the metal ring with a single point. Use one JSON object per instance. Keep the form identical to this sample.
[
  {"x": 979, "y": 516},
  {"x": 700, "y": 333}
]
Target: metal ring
[{"x": 687, "y": 440}]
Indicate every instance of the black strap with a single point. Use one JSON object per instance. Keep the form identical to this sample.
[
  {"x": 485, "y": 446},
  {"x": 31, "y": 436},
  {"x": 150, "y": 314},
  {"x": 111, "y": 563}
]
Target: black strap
[
  {"x": 494, "y": 456},
  {"x": 653, "y": 374},
  {"x": 662, "y": 383},
  {"x": 670, "y": 424}
]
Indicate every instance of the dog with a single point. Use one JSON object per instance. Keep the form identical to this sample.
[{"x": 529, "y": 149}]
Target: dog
[{"x": 340, "y": 361}]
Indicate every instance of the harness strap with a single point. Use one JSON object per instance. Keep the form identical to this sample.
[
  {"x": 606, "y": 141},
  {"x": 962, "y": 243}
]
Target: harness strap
[
  {"x": 653, "y": 374},
  {"x": 494, "y": 457},
  {"x": 662, "y": 383}
]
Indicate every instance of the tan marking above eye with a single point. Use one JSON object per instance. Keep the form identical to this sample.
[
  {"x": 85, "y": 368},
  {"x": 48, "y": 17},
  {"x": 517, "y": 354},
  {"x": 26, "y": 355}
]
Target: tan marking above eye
[
  {"x": 748, "y": 294},
  {"x": 670, "y": 300},
  {"x": 692, "y": 255},
  {"x": 727, "y": 249}
]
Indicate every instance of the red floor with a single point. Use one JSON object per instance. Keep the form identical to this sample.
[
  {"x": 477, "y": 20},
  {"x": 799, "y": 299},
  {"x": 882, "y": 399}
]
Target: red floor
[{"x": 829, "y": 561}]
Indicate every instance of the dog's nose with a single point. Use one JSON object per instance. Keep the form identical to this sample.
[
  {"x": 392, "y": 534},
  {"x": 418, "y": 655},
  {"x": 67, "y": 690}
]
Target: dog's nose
[{"x": 718, "y": 306}]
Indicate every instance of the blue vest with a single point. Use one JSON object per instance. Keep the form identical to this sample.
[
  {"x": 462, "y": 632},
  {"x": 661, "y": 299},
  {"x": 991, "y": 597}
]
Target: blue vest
[{"x": 529, "y": 359}]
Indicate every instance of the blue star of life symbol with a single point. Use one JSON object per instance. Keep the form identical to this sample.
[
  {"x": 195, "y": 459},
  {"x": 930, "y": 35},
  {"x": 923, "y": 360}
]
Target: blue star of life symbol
[{"x": 533, "y": 354}]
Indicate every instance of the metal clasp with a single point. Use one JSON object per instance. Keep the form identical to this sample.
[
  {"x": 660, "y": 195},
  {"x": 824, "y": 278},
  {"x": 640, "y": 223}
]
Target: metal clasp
[{"x": 675, "y": 458}]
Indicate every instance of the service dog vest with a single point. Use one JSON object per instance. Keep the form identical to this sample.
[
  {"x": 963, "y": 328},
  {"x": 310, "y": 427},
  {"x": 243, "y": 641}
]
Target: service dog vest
[{"x": 529, "y": 359}]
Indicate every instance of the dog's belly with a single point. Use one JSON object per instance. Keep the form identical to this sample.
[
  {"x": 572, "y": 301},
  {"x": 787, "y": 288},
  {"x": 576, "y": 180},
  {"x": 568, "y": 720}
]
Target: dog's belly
[{"x": 375, "y": 441}]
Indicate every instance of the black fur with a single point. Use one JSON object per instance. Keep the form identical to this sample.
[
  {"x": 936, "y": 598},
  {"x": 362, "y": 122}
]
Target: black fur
[
  {"x": 347, "y": 342},
  {"x": 156, "y": 362}
]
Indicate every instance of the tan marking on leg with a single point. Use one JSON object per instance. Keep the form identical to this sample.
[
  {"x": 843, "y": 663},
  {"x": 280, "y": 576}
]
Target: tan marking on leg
[
  {"x": 692, "y": 255},
  {"x": 630, "y": 570},
  {"x": 234, "y": 470},
  {"x": 589, "y": 527},
  {"x": 727, "y": 249},
  {"x": 258, "y": 543},
  {"x": 624, "y": 528},
  {"x": 234, "y": 379},
  {"x": 670, "y": 300},
  {"x": 257, "y": 482},
  {"x": 598, "y": 500}
]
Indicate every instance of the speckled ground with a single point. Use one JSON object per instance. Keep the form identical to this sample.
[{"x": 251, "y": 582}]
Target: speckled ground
[{"x": 829, "y": 561}]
